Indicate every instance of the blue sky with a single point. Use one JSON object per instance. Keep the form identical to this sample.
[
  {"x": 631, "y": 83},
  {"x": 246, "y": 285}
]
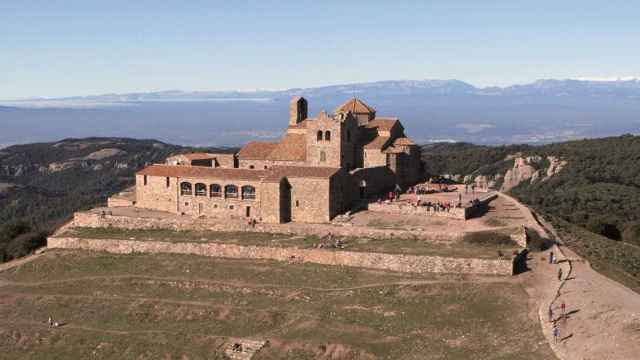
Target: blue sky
[{"x": 59, "y": 48}]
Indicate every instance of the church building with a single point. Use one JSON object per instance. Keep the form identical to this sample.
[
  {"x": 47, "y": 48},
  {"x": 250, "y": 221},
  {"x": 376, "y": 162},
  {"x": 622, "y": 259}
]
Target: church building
[{"x": 320, "y": 168}]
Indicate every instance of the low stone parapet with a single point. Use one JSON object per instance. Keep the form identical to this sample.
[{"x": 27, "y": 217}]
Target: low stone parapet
[
  {"x": 380, "y": 261},
  {"x": 410, "y": 209},
  {"x": 460, "y": 213}
]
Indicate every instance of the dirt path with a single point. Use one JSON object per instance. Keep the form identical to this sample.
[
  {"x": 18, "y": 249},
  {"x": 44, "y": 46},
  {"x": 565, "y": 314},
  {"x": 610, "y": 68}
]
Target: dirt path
[
  {"x": 14, "y": 263},
  {"x": 602, "y": 319},
  {"x": 239, "y": 284}
]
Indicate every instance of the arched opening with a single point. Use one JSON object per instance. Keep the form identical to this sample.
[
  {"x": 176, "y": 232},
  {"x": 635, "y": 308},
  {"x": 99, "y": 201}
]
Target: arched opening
[
  {"x": 201, "y": 189},
  {"x": 323, "y": 156},
  {"x": 285, "y": 201},
  {"x": 319, "y": 135},
  {"x": 185, "y": 188},
  {"x": 215, "y": 190},
  {"x": 248, "y": 192},
  {"x": 327, "y": 135},
  {"x": 230, "y": 191},
  {"x": 348, "y": 135}
]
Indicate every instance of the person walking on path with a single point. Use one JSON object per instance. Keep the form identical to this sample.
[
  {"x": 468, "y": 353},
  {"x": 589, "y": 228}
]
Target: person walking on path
[
  {"x": 563, "y": 307},
  {"x": 50, "y": 322},
  {"x": 560, "y": 274},
  {"x": 556, "y": 333},
  {"x": 550, "y": 314}
]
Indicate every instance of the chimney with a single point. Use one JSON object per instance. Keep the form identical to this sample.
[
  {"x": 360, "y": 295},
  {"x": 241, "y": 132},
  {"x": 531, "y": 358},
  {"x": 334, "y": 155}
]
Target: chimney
[{"x": 297, "y": 110}]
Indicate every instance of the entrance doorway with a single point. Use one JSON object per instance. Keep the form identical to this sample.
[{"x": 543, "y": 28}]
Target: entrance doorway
[
  {"x": 285, "y": 201},
  {"x": 248, "y": 211}
]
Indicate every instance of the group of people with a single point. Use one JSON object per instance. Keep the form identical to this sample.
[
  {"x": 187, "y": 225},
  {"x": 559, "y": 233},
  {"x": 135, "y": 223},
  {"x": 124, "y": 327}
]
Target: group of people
[
  {"x": 435, "y": 206},
  {"x": 555, "y": 330}
]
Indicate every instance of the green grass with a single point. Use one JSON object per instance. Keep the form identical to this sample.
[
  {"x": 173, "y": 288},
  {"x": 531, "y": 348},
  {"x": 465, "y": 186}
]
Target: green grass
[
  {"x": 479, "y": 245},
  {"x": 156, "y": 306}
]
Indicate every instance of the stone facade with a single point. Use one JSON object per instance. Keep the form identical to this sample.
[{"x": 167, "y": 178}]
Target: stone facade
[{"x": 320, "y": 168}]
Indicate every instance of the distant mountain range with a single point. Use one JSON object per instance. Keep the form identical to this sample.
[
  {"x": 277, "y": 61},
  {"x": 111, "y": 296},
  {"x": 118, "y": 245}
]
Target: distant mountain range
[
  {"x": 431, "y": 110},
  {"x": 548, "y": 87}
]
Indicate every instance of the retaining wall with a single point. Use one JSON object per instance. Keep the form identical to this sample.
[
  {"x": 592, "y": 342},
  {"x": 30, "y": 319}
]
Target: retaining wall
[
  {"x": 181, "y": 223},
  {"x": 392, "y": 262}
]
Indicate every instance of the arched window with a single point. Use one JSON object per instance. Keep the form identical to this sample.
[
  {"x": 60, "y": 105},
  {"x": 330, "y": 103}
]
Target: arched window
[
  {"x": 323, "y": 156},
  {"x": 231, "y": 191},
  {"x": 185, "y": 188},
  {"x": 248, "y": 192},
  {"x": 327, "y": 135},
  {"x": 215, "y": 190},
  {"x": 319, "y": 135},
  {"x": 201, "y": 189}
]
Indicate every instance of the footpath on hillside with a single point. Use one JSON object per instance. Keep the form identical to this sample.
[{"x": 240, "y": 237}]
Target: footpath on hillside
[{"x": 601, "y": 318}]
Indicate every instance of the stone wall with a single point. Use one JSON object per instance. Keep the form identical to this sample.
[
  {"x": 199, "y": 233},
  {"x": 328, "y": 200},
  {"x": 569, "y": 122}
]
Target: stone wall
[
  {"x": 393, "y": 262},
  {"x": 185, "y": 223},
  {"x": 376, "y": 180},
  {"x": 114, "y": 201},
  {"x": 157, "y": 193},
  {"x": 463, "y": 213}
]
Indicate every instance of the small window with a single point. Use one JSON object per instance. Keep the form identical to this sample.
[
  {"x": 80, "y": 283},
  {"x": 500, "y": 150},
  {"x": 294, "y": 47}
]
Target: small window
[
  {"x": 230, "y": 191},
  {"x": 145, "y": 180},
  {"x": 251, "y": 167},
  {"x": 319, "y": 136},
  {"x": 323, "y": 156},
  {"x": 248, "y": 192},
  {"x": 230, "y": 207},
  {"x": 297, "y": 203},
  {"x": 201, "y": 189},
  {"x": 327, "y": 135},
  {"x": 186, "y": 204},
  {"x": 168, "y": 182},
  {"x": 185, "y": 188},
  {"x": 215, "y": 190},
  {"x": 215, "y": 206},
  {"x": 265, "y": 167}
]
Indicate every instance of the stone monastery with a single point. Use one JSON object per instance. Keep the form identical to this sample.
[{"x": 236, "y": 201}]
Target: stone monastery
[{"x": 321, "y": 167}]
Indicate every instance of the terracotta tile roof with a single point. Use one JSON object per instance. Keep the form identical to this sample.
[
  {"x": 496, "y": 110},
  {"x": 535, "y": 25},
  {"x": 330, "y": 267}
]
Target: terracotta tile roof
[
  {"x": 275, "y": 173},
  {"x": 378, "y": 142},
  {"x": 403, "y": 141},
  {"x": 292, "y": 147},
  {"x": 356, "y": 106},
  {"x": 256, "y": 150},
  {"x": 202, "y": 172},
  {"x": 383, "y": 124}
]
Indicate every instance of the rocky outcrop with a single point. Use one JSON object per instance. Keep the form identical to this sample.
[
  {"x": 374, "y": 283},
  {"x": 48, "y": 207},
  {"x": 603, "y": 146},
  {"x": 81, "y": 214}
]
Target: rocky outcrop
[
  {"x": 525, "y": 168},
  {"x": 522, "y": 170},
  {"x": 555, "y": 166}
]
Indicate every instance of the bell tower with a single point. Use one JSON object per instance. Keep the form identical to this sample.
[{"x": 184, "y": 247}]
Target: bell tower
[{"x": 297, "y": 110}]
